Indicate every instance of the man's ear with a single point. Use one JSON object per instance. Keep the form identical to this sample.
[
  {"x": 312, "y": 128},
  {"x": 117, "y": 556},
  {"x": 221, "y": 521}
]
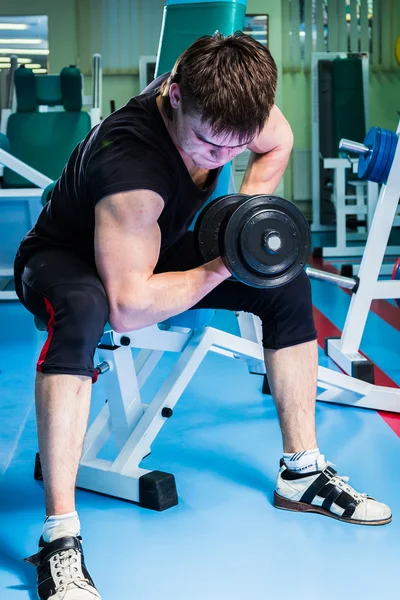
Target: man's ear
[{"x": 175, "y": 95}]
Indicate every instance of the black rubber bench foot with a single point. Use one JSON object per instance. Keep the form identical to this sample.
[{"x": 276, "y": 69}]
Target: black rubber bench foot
[
  {"x": 347, "y": 270},
  {"x": 265, "y": 388},
  {"x": 360, "y": 369},
  {"x": 364, "y": 370},
  {"x": 37, "y": 474},
  {"x": 157, "y": 491}
]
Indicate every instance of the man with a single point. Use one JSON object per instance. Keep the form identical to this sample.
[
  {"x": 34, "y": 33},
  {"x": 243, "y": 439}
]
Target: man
[{"x": 112, "y": 245}]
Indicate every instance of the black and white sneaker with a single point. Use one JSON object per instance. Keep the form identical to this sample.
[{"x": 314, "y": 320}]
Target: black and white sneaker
[
  {"x": 62, "y": 573},
  {"x": 327, "y": 493}
]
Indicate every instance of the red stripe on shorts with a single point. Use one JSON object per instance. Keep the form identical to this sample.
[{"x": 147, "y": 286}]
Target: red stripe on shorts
[{"x": 50, "y": 331}]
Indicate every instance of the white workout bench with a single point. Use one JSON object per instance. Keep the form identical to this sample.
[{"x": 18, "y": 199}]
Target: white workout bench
[{"x": 134, "y": 425}]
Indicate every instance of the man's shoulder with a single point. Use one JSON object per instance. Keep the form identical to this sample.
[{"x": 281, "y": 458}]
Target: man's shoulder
[{"x": 134, "y": 121}]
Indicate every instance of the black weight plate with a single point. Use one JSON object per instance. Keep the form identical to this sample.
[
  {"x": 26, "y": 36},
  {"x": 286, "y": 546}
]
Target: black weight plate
[
  {"x": 274, "y": 225},
  {"x": 366, "y": 162},
  {"x": 206, "y": 229},
  {"x": 242, "y": 241}
]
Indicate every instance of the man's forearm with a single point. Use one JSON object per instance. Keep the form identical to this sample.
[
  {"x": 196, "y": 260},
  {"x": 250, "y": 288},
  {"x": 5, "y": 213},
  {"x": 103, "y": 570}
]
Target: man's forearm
[{"x": 166, "y": 295}]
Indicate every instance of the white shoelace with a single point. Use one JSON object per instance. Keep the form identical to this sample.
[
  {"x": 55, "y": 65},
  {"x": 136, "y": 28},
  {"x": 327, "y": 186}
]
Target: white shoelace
[
  {"x": 341, "y": 482},
  {"x": 67, "y": 569}
]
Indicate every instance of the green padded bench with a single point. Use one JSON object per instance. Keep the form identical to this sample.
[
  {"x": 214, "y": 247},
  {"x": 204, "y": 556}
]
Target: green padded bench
[{"x": 45, "y": 139}]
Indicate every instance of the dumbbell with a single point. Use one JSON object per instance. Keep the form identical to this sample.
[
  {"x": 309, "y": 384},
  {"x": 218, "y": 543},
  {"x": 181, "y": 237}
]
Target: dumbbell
[
  {"x": 264, "y": 241},
  {"x": 376, "y": 153}
]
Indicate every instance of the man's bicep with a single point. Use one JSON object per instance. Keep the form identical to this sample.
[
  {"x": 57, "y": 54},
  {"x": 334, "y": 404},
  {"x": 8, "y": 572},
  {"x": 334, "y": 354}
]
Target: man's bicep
[{"x": 127, "y": 241}]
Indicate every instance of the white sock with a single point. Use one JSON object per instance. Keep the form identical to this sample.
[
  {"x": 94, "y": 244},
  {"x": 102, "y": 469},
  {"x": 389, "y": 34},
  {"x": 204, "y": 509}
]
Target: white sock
[
  {"x": 58, "y": 526},
  {"x": 302, "y": 462}
]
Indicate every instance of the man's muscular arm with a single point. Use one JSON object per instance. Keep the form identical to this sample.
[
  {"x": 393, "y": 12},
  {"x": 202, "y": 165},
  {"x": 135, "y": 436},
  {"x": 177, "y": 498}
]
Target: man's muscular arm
[
  {"x": 127, "y": 246},
  {"x": 270, "y": 155}
]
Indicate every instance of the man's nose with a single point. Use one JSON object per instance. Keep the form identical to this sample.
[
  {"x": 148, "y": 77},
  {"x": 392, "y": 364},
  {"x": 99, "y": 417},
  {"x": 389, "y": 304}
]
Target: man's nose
[{"x": 224, "y": 153}]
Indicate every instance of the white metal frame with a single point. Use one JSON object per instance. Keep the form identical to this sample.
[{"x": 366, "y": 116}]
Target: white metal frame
[
  {"x": 362, "y": 203},
  {"x": 31, "y": 174},
  {"x": 334, "y": 386},
  {"x": 31, "y": 196},
  {"x": 372, "y": 200},
  {"x": 135, "y": 425},
  {"x": 315, "y": 58},
  {"x": 345, "y": 351},
  {"x": 144, "y": 60}
]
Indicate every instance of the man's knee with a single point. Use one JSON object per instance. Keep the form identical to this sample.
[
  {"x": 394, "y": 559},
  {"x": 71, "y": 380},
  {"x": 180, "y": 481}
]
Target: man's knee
[
  {"x": 81, "y": 315},
  {"x": 76, "y": 318},
  {"x": 287, "y": 317}
]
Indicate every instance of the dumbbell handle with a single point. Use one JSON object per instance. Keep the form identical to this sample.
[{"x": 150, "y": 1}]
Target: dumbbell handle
[
  {"x": 354, "y": 147},
  {"x": 350, "y": 283}
]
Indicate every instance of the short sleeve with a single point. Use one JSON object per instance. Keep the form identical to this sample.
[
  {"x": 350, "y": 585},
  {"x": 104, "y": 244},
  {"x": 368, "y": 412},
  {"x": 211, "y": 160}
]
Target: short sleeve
[{"x": 120, "y": 163}]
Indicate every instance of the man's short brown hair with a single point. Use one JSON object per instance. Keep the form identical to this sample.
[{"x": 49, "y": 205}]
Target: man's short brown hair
[{"x": 230, "y": 81}]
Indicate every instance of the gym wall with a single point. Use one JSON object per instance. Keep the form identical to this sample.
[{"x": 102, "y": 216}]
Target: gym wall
[
  {"x": 384, "y": 81},
  {"x": 76, "y": 25}
]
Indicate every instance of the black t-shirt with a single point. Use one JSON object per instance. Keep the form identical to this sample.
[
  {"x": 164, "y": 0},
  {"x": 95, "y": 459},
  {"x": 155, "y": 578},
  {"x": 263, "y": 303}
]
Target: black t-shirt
[{"x": 131, "y": 149}]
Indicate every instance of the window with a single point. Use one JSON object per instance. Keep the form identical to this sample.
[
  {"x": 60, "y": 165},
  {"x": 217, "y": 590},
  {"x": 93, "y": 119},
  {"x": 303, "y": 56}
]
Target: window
[
  {"x": 27, "y": 38},
  {"x": 257, "y": 27},
  {"x": 348, "y": 26}
]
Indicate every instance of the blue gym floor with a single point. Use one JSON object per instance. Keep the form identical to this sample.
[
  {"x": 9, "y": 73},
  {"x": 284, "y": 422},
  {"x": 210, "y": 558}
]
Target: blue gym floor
[{"x": 225, "y": 540}]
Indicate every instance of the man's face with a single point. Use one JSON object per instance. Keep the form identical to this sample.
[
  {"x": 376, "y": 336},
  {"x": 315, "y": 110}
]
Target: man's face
[{"x": 197, "y": 140}]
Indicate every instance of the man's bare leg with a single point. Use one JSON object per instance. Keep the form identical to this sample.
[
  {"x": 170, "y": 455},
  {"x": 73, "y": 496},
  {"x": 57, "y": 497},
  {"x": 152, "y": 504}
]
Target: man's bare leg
[
  {"x": 62, "y": 411},
  {"x": 292, "y": 376}
]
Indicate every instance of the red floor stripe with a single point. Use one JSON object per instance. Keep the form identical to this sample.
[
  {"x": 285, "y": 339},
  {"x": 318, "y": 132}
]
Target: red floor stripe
[
  {"x": 326, "y": 328},
  {"x": 385, "y": 310}
]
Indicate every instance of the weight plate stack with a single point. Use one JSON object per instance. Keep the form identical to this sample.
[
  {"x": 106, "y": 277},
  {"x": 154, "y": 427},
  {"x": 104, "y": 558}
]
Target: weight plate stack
[{"x": 265, "y": 241}]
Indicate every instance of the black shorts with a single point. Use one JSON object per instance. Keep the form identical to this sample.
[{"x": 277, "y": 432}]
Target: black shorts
[{"x": 66, "y": 293}]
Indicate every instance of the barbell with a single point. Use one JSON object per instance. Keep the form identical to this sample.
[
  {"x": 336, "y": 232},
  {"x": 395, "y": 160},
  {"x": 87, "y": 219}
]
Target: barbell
[
  {"x": 376, "y": 153},
  {"x": 264, "y": 241}
]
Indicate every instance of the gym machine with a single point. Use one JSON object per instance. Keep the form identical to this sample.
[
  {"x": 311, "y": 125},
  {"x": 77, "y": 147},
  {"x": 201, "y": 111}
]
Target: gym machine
[
  {"x": 339, "y": 77},
  {"x": 27, "y": 141},
  {"x": 380, "y": 162}
]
